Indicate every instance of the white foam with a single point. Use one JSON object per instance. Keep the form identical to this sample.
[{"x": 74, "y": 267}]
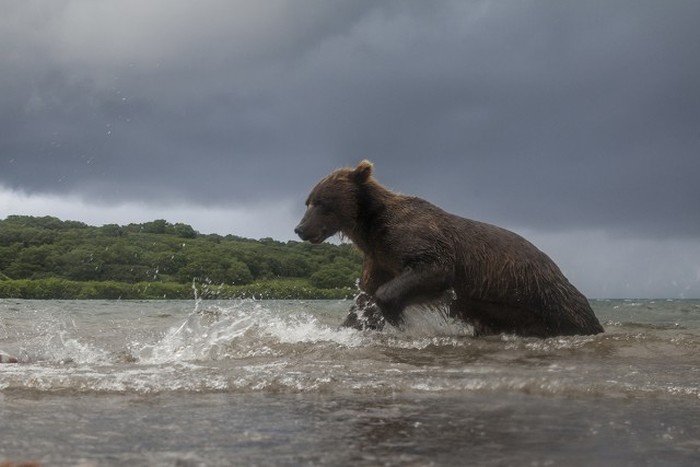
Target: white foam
[
  {"x": 243, "y": 329},
  {"x": 304, "y": 328}
]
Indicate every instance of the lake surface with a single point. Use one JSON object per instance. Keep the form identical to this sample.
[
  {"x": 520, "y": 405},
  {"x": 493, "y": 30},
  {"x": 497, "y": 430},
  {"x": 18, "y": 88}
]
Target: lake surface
[{"x": 192, "y": 383}]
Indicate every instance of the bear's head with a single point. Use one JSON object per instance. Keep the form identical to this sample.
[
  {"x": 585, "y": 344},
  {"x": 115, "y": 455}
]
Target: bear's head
[{"x": 332, "y": 204}]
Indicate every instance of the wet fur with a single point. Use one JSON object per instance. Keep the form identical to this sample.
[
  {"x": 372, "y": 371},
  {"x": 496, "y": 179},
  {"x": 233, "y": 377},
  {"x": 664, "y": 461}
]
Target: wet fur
[{"x": 414, "y": 251}]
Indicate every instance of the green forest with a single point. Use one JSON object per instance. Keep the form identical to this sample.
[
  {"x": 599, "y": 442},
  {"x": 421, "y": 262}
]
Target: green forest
[{"x": 48, "y": 258}]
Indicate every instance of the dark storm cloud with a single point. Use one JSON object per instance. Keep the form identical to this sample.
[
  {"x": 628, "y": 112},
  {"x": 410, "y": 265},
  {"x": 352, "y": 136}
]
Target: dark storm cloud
[{"x": 541, "y": 114}]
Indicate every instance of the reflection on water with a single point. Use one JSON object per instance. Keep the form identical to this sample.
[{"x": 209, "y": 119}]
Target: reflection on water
[
  {"x": 279, "y": 383},
  {"x": 322, "y": 429}
]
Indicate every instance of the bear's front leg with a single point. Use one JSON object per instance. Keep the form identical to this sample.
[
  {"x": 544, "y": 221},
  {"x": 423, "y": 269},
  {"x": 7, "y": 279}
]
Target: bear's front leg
[
  {"x": 364, "y": 314},
  {"x": 413, "y": 285}
]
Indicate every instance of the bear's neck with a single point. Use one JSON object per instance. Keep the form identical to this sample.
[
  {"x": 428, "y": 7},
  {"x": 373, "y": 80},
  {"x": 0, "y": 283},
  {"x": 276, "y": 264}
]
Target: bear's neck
[{"x": 372, "y": 202}]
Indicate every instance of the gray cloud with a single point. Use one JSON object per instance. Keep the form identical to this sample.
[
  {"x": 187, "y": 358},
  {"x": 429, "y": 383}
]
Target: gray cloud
[{"x": 539, "y": 114}]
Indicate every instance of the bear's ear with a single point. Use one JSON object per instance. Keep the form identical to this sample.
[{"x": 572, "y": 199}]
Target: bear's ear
[{"x": 362, "y": 172}]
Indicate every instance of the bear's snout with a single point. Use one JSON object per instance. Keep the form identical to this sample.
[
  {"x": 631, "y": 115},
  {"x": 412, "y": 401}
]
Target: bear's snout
[
  {"x": 310, "y": 234},
  {"x": 304, "y": 232},
  {"x": 299, "y": 230}
]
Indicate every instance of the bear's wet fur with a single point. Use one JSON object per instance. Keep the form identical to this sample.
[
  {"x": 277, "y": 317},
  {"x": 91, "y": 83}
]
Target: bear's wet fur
[{"x": 415, "y": 252}]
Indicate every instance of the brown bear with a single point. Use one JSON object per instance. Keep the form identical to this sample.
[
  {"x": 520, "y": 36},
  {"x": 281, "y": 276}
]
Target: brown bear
[{"x": 415, "y": 252}]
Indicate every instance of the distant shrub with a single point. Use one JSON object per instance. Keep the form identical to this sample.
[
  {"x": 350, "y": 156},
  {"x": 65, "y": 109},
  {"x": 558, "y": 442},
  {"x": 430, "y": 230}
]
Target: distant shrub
[{"x": 61, "y": 289}]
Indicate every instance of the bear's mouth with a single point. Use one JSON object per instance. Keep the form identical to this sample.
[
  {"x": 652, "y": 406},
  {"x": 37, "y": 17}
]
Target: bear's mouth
[
  {"x": 321, "y": 236},
  {"x": 318, "y": 238},
  {"x": 315, "y": 236}
]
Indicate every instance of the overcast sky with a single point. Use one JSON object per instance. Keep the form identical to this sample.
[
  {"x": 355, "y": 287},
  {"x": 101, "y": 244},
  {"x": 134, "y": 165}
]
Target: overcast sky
[{"x": 576, "y": 124}]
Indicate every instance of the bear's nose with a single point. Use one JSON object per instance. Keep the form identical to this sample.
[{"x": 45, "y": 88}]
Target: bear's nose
[{"x": 299, "y": 230}]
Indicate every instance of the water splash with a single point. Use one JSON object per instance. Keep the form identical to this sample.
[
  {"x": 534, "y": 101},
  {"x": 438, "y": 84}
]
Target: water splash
[
  {"x": 56, "y": 340},
  {"x": 297, "y": 346},
  {"x": 198, "y": 337},
  {"x": 240, "y": 329}
]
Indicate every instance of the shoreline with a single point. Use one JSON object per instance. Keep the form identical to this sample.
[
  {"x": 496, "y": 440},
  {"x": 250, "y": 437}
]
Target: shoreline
[{"x": 63, "y": 289}]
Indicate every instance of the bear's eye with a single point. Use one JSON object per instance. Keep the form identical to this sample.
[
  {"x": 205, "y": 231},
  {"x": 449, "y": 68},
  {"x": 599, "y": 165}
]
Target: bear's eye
[{"x": 322, "y": 204}]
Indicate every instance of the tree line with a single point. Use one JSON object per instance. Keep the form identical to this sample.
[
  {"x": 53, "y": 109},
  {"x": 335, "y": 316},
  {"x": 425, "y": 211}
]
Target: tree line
[{"x": 45, "y": 257}]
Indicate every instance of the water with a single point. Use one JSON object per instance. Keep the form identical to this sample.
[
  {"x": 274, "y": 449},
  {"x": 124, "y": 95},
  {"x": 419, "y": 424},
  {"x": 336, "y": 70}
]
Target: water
[{"x": 194, "y": 383}]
